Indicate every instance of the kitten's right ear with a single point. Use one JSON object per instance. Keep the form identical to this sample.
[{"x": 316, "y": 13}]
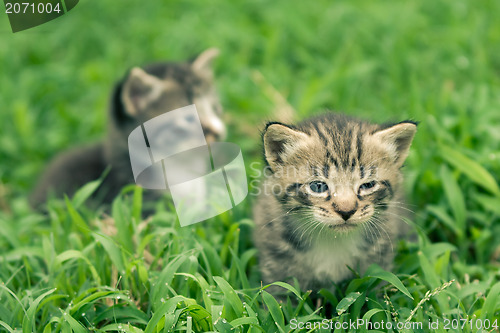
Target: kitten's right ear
[
  {"x": 397, "y": 140},
  {"x": 203, "y": 62},
  {"x": 139, "y": 89},
  {"x": 280, "y": 142}
]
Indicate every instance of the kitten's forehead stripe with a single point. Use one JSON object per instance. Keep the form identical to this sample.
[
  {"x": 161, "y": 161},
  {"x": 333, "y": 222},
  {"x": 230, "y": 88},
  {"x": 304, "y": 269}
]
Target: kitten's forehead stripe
[
  {"x": 326, "y": 170},
  {"x": 359, "y": 144},
  {"x": 321, "y": 135},
  {"x": 331, "y": 160},
  {"x": 342, "y": 138},
  {"x": 314, "y": 171}
]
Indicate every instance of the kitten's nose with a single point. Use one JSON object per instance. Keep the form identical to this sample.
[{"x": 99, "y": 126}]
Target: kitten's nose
[{"x": 346, "y": 214}]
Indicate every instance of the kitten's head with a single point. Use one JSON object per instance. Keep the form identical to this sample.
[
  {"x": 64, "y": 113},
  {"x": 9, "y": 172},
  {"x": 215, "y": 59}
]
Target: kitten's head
[
  {"x": 336, "y": 170},
  {"x": 158, "y": 88}
]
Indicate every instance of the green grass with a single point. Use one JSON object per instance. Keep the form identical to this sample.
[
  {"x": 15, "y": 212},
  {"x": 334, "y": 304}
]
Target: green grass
[{"x": 433, "y": 61}]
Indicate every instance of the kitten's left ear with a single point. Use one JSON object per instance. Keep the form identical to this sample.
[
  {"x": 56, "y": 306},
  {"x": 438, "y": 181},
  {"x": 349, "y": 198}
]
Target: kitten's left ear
[
  {"x": 280, "y": 143},
  {"x": 397, "y": 139},
  {"x": 139, "y": 89},
  {"x": 203, "y": 62}
]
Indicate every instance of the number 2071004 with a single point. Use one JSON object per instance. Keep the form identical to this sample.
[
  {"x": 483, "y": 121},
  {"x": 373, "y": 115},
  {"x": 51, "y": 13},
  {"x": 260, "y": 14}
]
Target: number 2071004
[{"x": 28, "y": 7}]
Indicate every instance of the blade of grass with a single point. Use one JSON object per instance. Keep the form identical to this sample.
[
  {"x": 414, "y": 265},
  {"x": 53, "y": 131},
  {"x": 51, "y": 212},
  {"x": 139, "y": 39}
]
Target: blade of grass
[
  {"x": 230, "y": 295},
  {"x": 165, "y": 308},
  {"x": 455, "y": 198},
  {"x": 29, "y": 318},
  {"x": 490, "y": 305},
  {"x": 85, "y": 192},
  {"x": 346, "y": 302},
  {"x": 76, "y": 326},
  {"x": 472, "y": 169},
  {"x": 275, "y": 310},
  {"x": 375, "y": 271},
  {"x": 73, "y": 254}
]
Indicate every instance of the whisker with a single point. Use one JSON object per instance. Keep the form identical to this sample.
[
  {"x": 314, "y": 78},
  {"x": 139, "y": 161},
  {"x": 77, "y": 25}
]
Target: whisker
[
  {"x": 379, "y": 224},
  {"x": 291, "y": 210}
]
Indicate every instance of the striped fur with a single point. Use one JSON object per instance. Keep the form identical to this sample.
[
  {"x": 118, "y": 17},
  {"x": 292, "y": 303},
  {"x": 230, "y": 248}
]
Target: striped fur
[{"x": 333, "y": 199}]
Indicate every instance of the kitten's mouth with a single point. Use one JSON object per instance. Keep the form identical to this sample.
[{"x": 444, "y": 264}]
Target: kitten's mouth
[
  {"x": 337, "y": 225},
  {"x": 345, "y": 226}
]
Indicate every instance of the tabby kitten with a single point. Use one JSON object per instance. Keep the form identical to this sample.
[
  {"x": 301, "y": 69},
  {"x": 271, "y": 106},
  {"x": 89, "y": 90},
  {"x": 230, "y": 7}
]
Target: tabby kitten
[
  {"x": 331, "y": 200},
  {"x": 143, "y": 94}
]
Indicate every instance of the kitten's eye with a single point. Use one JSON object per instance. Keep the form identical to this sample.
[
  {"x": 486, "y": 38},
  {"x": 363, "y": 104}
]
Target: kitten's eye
[
  {"x": 318, "y": 187},
  {"x": 367, "y": 186}
]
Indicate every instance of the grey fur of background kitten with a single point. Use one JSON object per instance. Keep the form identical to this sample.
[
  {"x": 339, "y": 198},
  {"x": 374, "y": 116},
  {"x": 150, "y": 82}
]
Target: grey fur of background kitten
[
  {"x": 315, "y": 237},
  {"x": 140, "y": 96}
]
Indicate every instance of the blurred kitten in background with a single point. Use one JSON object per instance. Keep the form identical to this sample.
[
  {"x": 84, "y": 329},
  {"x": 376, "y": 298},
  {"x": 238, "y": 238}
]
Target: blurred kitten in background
[{"x": 143, "y": 94}]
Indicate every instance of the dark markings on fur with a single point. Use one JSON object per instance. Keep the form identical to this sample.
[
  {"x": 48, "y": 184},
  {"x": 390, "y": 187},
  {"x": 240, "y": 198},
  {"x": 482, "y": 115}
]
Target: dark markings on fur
[
  {"x": 348, "y": 145},
  {"x": 303, "y": 199},
  {"x": 353, "y": 165},
  {"x": 364, "y": 208},
  {"x": 321, "y": 135},
  {"x": 359, "y": 145},
  {"x": 282, "y": 199},
  {"x": 384, "y": 251},
  {"x": 382, "y": 206},
  {"x": 294, "y": 188},
  {"x": 370, "y": 237},
  {"x": 326, "y": 170},
  {"x": 388, "y": 185},
  {"x": 372, "y": 171},
  {"x": 328, "y": 198},
  {"x": 361, "y": 171},
  {"x": 290, "y": 235},
  {"x": 279, "y": 160},
  {"x": 335, "y": 162},
  {"x": 345, "y": 163},
  {"x": 324, "y": 210},
  {"x": 331, "y": 160},
  {"x": 382, "y": 194},
  {"x": 276, "y": 251},
  {"x": 315, "y": 171}
]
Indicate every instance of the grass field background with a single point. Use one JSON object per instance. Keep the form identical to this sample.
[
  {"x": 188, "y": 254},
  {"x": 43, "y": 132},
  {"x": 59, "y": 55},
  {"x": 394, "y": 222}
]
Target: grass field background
[{"x": 79, "y": 269}]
